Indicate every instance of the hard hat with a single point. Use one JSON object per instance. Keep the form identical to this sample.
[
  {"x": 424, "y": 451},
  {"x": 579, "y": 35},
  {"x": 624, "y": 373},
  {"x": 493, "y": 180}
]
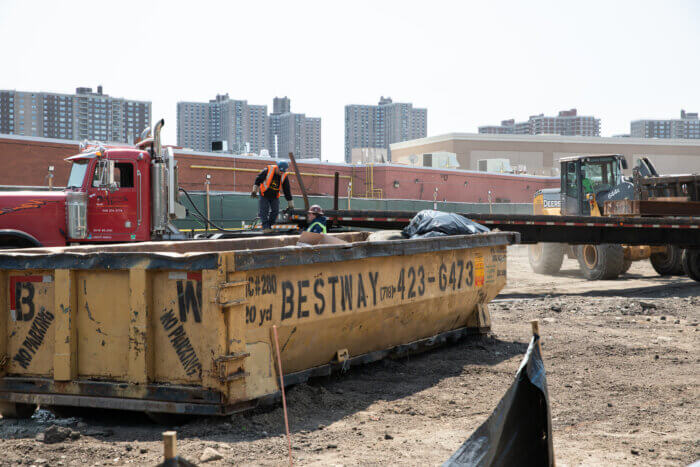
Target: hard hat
[
  {"x": 316, "y": 209},
  {"x": 283, "y": 165}
]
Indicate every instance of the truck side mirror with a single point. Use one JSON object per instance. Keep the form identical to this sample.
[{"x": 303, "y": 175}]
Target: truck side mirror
[
  {"x": 623, "y": 162},
  {"x": 105, "y": 175}
]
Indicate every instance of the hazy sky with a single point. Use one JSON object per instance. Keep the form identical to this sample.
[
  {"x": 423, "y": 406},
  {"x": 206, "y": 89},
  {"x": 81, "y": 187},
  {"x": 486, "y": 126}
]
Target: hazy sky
[{"x": 469, "y": 63}]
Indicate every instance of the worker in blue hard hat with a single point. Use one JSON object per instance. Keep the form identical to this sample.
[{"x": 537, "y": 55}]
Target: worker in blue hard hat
[{"x": 269, "y": 183}]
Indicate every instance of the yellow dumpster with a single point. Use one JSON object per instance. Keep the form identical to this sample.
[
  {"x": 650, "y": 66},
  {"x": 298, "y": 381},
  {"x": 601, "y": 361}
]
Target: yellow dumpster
[{"x": 185, "y": 327}]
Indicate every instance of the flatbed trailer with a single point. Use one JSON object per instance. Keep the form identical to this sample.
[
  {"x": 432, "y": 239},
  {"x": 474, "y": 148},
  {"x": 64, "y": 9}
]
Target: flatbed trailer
[{"x": 683, "y": 232}]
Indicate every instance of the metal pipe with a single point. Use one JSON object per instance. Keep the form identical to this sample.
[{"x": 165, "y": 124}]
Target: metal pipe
[
  {"x": 300, "y": 181},
  {"x": 146, "y": 133},
  {"x": 157, "y": 146},
  {"x": 206, "y": 185},
  {"x": 50, "y": 177},
  {"x": 336, "y": 188},
  {"x": 241, "y": 169}
]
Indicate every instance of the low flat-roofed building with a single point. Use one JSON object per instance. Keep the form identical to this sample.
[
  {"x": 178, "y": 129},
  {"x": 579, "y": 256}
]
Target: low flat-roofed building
[{"x": 539, "y": 154}]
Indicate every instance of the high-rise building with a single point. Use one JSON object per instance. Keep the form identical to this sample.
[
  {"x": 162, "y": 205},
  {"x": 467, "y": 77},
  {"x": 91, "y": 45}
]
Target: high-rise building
[
  {"x": 378, "y": 126},
  {"x": 567, "y": 123},
  {"x": 242, "y": 126},
  {"x": 281, "y": 105},
  {"x": 292, "y": 132},
  {"x": 83, "y": 115},
  {"x": 688, "y": 127}
]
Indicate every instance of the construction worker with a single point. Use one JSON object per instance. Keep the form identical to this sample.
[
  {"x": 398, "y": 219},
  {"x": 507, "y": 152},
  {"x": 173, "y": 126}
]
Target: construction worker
[
  {"x": 316, "y": 220},
  {"x": 268, "y": 184},
  {"x": 586, "y": 182}
]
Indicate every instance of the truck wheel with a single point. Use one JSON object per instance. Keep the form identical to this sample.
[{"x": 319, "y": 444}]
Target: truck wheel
[
  {"x": 16, "y": 410},
  {"x": 691, "y": 263},
  {"x": 600, "y": 262},
  {"x": 546, "y": 258},
  {"x": 668, "y": 263}
]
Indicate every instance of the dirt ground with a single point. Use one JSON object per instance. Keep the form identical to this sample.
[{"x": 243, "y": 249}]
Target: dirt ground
[{"x": 623, "y": 371}]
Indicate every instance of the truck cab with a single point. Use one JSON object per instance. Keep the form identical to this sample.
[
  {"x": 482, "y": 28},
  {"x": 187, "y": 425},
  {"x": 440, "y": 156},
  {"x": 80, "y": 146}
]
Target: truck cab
[
  {"x": 107, "y": 197},
  {"x": 114, "y": 194}
]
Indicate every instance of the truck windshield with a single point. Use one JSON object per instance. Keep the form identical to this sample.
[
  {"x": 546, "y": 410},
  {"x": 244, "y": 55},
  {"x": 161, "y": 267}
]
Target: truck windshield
[{"x": 77, "y": 173}]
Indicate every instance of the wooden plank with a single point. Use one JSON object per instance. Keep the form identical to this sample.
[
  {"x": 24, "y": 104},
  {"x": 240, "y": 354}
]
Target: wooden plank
[
  {"x": 140, "y": 335},
  {"x": 623, "y": 207},
  {"x": 652, "y": 208},
  {"x": 670, "y": 198},
  {"x": 65, "y": 361}
]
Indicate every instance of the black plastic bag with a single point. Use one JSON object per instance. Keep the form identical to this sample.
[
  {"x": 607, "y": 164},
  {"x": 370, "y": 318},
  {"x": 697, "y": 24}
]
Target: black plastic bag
[
  {"x": 429, "y": 223},
  {"x": 519, "y": 431}
]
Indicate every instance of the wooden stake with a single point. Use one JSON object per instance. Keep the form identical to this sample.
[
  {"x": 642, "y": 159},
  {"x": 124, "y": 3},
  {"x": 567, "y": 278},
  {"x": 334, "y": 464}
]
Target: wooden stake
[
  {"x": 536, "y": 332},
  {"x": 284, "y": 399},
  {"x": 169, "y": 444}
]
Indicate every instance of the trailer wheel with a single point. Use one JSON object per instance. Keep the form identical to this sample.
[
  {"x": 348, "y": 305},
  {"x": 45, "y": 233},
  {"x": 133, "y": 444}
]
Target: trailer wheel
[
  {"x": 546, "y": 258},
  {"x": 600, "y": 262},
  {"x": 668, "y": 263},
  {"x": 691, "y": 263},
  {"x": 16, "y": 410}
]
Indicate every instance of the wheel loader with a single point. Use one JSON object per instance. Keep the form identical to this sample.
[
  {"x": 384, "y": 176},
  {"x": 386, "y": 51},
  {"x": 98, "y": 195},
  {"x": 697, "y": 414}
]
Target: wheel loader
[{"x": 587, "y": 182}]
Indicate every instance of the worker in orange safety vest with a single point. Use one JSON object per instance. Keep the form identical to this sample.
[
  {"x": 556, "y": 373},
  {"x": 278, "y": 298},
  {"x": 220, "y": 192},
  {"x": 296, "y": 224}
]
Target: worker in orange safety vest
[{"x": 269, "y": 183}]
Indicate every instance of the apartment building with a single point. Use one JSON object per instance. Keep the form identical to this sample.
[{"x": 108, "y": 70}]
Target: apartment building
[
  {"x": 378, "y": 126},
  {"x": 567, "y": 123},
  {"x": 83, "y": 115},
  {"x": 242, "y": 126},
  {"x": 686, "y": 127},
  {"x": 293, "y": 132}
]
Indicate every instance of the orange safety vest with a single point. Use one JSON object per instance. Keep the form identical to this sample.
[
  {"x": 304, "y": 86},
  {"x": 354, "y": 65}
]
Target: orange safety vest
[{"x": 268, "y": 181}]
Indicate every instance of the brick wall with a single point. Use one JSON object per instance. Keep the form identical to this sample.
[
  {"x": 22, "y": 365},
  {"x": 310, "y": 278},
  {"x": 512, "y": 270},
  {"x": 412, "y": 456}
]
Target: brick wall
[{"x": 25, "y": 162}]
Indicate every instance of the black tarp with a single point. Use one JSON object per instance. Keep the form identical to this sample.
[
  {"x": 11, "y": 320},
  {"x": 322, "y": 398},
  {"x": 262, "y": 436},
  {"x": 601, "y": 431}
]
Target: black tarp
[
  {"x": 519, "y": 431},
  {"x": 429, "y": 223}
]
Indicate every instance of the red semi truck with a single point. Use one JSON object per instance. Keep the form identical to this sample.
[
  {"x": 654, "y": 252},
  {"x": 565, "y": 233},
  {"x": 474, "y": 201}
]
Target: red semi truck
[{"x": 114, "y": 194}]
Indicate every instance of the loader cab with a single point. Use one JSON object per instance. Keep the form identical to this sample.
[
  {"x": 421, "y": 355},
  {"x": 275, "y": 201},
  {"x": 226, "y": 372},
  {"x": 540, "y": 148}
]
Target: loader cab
[{"x": 600, "y": 175}]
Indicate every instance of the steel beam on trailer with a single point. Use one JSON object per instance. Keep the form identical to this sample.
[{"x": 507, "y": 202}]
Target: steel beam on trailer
[{"x": 684, "y": 232}]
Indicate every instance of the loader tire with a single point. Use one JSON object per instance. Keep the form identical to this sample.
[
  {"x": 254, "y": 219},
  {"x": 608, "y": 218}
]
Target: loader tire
[
  {"x": 691, "y": 263},
  {"x": 668, "y": 263},
  {"x": 600, "y": 262},
  {"x": 546, "y": 258},
  {"x": 626, "y": 266},
  {"x": 16, "y": 410}
]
